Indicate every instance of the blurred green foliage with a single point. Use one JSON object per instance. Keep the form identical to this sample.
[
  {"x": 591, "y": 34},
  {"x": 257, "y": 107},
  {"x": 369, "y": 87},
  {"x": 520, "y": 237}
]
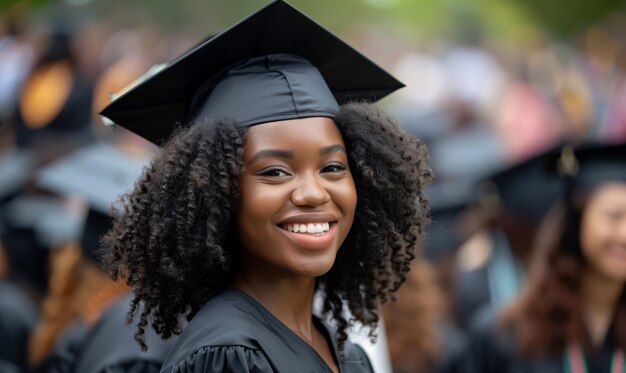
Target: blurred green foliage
[{"x": 419, "y": 19}]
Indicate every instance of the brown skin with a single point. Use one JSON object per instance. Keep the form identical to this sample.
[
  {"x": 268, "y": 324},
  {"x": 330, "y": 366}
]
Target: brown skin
[
  {"x": 296, "y": 171},
  {"x": 603, "y": 241}
]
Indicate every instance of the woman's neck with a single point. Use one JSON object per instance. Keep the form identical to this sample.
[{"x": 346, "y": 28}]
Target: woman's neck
[
  {"x": 289, "y": 299},
  {"x": 600, "y": 295}
]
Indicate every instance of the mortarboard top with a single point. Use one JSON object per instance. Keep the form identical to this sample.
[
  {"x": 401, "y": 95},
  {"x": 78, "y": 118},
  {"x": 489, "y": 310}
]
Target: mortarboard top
[
  {"x": 590, "y": 165},
  {"x": 98, "y": 174},
  {"x": 276, "y": 64},
  {"x": 528, "y": 190}
]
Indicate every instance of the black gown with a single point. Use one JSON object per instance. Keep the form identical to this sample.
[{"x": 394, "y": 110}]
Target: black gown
[
  {"x": 234, "y": 333},
  {"x": 108, "y": 347},
  {"x": 493, "y": 350},
  {"x": 18, "y": 317}
]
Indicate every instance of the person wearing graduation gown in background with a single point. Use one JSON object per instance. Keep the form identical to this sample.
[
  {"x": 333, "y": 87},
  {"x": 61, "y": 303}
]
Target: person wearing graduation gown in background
[
  {"x": 421, "y": 337},
  {"x": 572, "y": 316},
  {"x": 84, "y": 326},
  {"x": 420, "y": 329},
  {"x": 492, "y": 263},
  {"x": 52, "y": 125},
  {"x": 18, "y": 316},
  {"x": 251, "y": 209},
  {"x": 23, "y": 261}
]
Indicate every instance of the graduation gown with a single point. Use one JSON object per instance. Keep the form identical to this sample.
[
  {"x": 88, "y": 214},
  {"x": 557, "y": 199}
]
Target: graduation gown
[
  {"x": 63, "y": 355},
  {"x": 494, "y": 350},
  {"x": 18, "y": 317},
  {"x": 110, "y": 346},
  {"x": 234, "y": 333}
]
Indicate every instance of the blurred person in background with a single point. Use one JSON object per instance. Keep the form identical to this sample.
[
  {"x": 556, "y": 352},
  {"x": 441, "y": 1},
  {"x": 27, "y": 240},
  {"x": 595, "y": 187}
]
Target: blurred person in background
[
  {"x": 455, "y": 216},
  {"x": 83, "y": 326},
  {"x": 572, "y": 315},
  {"x": 16, "y": 59},
  {"x": 52, "y": 124},
  {"x": 420, "y": 335},
  {"x": 18, "y": 310},
  {"x": 492, "y": 263}
]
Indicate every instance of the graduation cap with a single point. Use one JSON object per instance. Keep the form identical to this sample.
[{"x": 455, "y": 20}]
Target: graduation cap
[
  {"x": 583, "y": 169},
  {"x": 98, "y": 174},
  {"x": 448, "y": 201},
  {"x": 276, "y": 64},
  {"x": 591, "y": 165},
  {"x": 527, "y": 190}
]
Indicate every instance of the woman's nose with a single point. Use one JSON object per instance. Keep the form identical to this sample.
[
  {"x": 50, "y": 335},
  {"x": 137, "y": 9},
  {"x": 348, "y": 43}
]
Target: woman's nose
[{"x": 310, "y": 191}]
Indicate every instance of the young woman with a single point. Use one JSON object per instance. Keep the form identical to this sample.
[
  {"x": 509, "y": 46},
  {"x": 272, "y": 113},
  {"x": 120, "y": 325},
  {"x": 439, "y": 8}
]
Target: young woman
[
  {"x": 572, "y": 318},
  {"x": 273, "y": 194}
]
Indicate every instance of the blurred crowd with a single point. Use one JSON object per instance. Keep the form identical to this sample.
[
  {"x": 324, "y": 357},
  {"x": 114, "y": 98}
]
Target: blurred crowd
[{"x": 491, "y": 114}]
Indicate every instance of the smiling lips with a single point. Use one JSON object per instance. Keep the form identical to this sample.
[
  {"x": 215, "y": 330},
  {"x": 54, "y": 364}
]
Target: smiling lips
[
  {"x": 315, "y": 236},
  {"x": 309, "y": 228}
]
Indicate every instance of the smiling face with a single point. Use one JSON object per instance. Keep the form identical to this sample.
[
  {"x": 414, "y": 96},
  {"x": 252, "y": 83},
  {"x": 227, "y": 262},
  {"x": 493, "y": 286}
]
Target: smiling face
[
  {"x": 297, "y": 197},
  {"x": 603, "y": 231}
]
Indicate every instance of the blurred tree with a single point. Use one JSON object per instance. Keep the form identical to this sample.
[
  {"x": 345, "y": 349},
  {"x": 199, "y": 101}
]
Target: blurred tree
[{"x": 567, "y": 17}]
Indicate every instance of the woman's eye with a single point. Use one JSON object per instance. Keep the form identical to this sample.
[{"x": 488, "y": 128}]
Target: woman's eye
[
  {"x": 334, "y": 167},
  {"x": 273, "y": 172}
]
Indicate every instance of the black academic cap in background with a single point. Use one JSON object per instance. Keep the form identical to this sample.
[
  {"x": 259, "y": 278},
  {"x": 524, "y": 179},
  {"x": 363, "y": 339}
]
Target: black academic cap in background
[
  {"x": 97, "y": 174},
  {"x": 590, "y": 165},
  {"x": 527, "y": 190},
  {"x": 276, "y": 64}
]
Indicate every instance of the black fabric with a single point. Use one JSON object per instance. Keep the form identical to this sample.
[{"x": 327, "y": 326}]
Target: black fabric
[
  {"x": 494, "y": 350},
  {"x": 154, "y": 107},
  {"x": 18, "y": 317},
  {"x": 266, "y": 89},
  {"x": 27, "y": 258},
  {"x": 63, "y": 355},
  {"x": 234, "y": 333},
  {"x": 8, "y": 367},
  {"x": 72, "y": 120},
  {"x": 599, "y": 164},
  {"x": 529, "y": 189},
  {"x": 96, "y": 225},
  {"x": 110, "y": 346}
]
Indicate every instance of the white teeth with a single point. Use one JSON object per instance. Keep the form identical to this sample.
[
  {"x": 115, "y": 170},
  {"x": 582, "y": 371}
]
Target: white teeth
[{"x": 312, "y": 228}]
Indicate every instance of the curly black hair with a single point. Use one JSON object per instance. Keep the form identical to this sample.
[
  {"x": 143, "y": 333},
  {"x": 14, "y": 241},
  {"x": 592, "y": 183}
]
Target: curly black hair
[{"x": 173, "y": 240}]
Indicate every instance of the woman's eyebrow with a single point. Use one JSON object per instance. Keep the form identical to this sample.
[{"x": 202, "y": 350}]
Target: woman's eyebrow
[
  {"x": 332, "y": 148},
  {"x": 276, "y": 153}
]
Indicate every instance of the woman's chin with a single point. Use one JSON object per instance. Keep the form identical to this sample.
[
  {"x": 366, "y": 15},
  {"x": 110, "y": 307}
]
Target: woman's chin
[{"x": 315, "y": 268}]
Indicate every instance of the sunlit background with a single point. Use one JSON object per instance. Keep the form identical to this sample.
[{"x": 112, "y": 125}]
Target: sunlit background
[{"x": 490, "y": 83}]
